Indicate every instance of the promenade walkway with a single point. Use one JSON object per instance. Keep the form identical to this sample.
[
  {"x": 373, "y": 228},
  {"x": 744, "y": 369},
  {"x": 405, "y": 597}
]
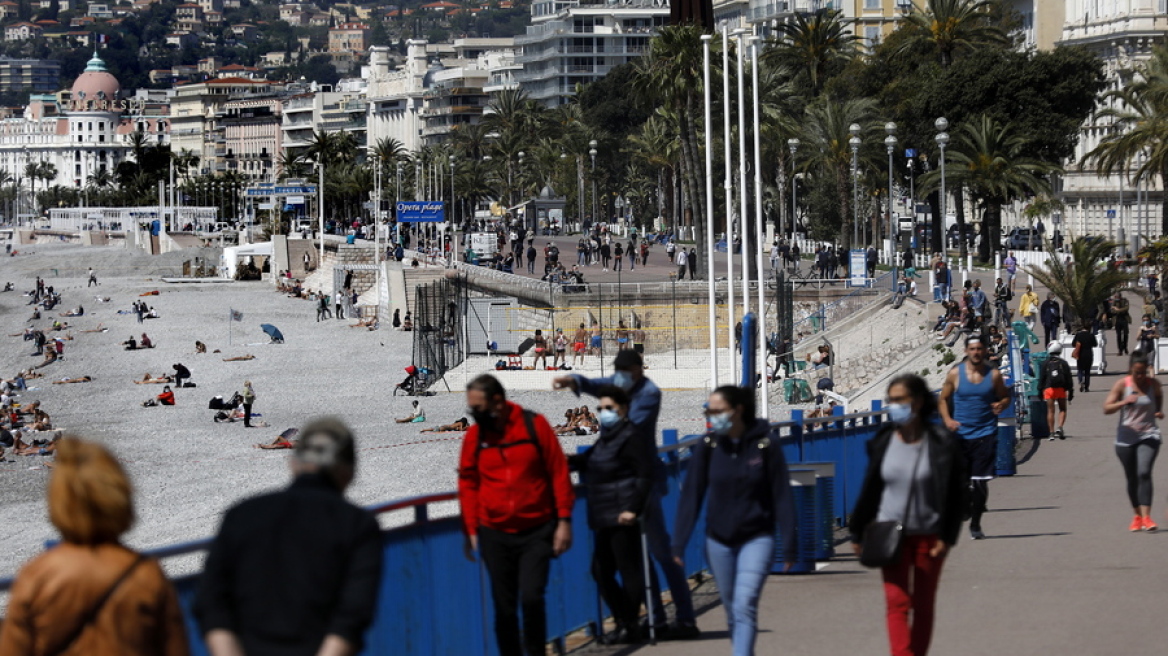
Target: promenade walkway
[{"x": 1058, "y": 574}]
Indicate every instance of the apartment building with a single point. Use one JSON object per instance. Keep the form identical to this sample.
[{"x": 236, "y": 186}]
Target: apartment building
[{"x": 35, "y": 75}]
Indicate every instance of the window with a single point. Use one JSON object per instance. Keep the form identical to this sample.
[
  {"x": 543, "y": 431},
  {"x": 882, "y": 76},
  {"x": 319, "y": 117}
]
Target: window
[
  {"x": 872, "y": 5},
  {"x": 872, "y": 34}
]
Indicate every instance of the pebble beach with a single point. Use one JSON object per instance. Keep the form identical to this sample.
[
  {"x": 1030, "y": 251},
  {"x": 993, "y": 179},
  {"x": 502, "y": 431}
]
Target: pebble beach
[{"x": 186, "y": 468}]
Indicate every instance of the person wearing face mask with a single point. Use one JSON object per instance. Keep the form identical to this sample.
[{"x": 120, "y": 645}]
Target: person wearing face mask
[
  {"x": 916, "y": 476},
  {"x": 618, "y": 471},
  {"x": 516, "y": 499},
  {"x": 742, "y": 477},
  {"x": 644, "y": 408}
]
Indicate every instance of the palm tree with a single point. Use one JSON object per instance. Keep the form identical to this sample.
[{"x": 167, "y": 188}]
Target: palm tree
[
  {"x": 827, "y": 134},
  {"x": 1139, "y": 115},
  {"x": 987, "y": 159},
  {"x": 810, "y": 45},
  {"x": 656, "y": 147},
  {"x": 950, "y": 27},
  {"x": 671, "y": 76},
  {"x": 291, "y": 165},
  {"x": 322, "y": 147},
  {"x": 139, "y": 142},
  {"x": 1087, "y": 281}
]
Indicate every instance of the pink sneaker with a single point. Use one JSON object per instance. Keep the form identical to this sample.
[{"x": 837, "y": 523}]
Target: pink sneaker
[
  {"x": 1149, "y": 525},
  {"x": 1137, "y": 524}
]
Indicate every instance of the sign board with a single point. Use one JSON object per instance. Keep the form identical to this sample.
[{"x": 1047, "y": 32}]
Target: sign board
[
  {"x": 421, "y": 212},
  {"x": 857, "y": 268},
  {"x": 910, "y": 152},
  {"x": 267, "y": 206},
  {"x": 295, "y": 200},
  {"x": 1111, "y": 214},
  {"x": 281, "y": 191}
]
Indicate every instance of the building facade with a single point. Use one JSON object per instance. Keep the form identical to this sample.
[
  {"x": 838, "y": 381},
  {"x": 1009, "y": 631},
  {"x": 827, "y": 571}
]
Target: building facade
[
  {"x": 580, "y": 41},
  {"x": 35, "y": 75}
]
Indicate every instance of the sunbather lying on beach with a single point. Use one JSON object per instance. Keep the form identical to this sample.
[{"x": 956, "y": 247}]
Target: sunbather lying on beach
[
  {"x": 66, "y": 381},
  {"x": 150, "y": 380},
  {"x": 102, "y": 299},
  {"x": 50, "y": 358},
  {"x": 75, "y": 312},
  {"x": 100, "y": 329},
  {"x": 285, "y": 440},
  {"x": 370, "y": 323},
  {"x": 240, "y": 358},
  {"x": 459, "y": 426},
  {"x": 35, "y": 447}
]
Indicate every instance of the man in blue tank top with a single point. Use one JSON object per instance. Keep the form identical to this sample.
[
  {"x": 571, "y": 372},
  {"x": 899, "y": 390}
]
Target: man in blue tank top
[{"x": 973, "y": 396}]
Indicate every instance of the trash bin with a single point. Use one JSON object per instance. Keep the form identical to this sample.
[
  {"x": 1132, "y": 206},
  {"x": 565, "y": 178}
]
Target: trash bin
[
  {"x": 824, "y": 506},
  {"x": 1038, "y": 426},
  {"x": 803, "y": 488}
]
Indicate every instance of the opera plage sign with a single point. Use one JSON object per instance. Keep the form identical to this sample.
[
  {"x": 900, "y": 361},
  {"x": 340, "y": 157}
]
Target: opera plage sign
[{"x": 421, "y": 212}]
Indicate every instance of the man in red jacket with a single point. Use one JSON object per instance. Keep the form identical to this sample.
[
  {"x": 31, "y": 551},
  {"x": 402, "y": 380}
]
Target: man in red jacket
[{"x": 516, "y": 499}]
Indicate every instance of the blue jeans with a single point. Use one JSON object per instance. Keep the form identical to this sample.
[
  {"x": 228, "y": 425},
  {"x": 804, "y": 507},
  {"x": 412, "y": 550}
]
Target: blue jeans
[
  {"x": 740, "y": 573},
  {"x": 659, "y": 547}
]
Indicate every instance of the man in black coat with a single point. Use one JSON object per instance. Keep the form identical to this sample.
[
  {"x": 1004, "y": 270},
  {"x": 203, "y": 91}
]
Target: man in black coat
[{"x": 295, "y": 571}]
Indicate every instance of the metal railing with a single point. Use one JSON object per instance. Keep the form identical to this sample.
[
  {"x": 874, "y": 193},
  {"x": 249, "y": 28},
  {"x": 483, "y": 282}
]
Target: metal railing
[{"x": 435, "y": 602}]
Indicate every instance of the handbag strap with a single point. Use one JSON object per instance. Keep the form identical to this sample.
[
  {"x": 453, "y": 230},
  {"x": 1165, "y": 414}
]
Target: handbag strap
[
  {"x": 96, "y": 609},
  {"x": 912, "y": 482}
]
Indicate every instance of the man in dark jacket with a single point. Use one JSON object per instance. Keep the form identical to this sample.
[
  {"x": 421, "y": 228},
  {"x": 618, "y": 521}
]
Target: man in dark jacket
[
  {"x": 1049, "y": 313},
  {"x": 295, "y": 571},
  {"x": 516, "y": 499}
]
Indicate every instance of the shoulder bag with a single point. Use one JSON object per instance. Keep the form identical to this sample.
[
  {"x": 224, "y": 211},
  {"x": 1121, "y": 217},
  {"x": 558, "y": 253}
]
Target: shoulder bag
[{"x": 882, "y": 539}]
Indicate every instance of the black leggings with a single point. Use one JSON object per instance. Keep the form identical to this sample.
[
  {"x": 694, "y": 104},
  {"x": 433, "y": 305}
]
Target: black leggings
[
  {"x": 518, "y": 565},
  {"x": 618, "y": 549},
  {"x": 1137, "y": 461},
  {"x": 1084, "y": 367}
]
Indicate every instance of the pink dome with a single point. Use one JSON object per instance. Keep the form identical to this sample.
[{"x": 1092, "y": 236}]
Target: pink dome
[{"x": 95, "y": 84}]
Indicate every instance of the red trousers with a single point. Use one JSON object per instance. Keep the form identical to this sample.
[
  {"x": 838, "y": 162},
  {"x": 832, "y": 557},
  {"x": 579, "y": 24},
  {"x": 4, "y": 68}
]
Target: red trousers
[{"x": 910, "y": 590}]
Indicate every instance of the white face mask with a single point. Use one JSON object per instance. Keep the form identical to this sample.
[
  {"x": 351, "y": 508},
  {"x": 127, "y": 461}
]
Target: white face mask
[
  {"x": 899, "y": 413},
  {"x": 720, "y": 423}
]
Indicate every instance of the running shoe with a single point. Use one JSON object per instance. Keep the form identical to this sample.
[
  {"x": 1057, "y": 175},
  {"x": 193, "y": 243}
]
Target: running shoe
[
  {"x": 1149, "y": 525},
  {"x": 1137, "y": 524},
  {"x": 976, "y": 534},
  {"x": 1061, "y": 434}
]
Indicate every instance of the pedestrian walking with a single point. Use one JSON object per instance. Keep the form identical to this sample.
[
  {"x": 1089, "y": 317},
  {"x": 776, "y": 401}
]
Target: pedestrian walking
[
  {"x": 1028, "y": 307},
  {"x": 295, "y": 571},
  {"x": 744, "y": 475},
  {"x": 916, "y": 477},
  {"x": 644, "y": 252},
  {"x": 1057, "y": 386},
  {"x": 1121, "y": 317},
  {"x": 670, "y": 250},
  {"x": 538, "y": 350},
  {"x": 249, "y": 398},
  {"x": 88, "y": 594},
  {"x": 92, "y": 278},
  {"x": 1139, "y": 400},
  {"x": 774, "y": 255},
  {"x": 644, "y": 409},
  {"x": 682, "y": 256},
  {"x": 605, "y": 255},
  {"x": 531, "y": 257},
  {"x": 618, "y": 472},
  {"x": 516, "y": 499},
  {"x": 322, "y": 308},
  {"x": 1051, "y": 316},
  {"x": 977, "y": 394},
  {"x": 1011, "y": 264},
  {"x": 140, "y": 310},
  {"x": 1149, "y": 333},
  {"x": 691, "y": 261},
  {"x": 1083, "y": 352},
  {"x": 618, "y": 255}
]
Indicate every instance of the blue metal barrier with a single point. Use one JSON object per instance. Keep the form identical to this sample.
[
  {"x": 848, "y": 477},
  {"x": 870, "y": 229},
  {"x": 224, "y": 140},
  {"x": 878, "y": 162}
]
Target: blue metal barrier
[{"x": 435, "y": 602}]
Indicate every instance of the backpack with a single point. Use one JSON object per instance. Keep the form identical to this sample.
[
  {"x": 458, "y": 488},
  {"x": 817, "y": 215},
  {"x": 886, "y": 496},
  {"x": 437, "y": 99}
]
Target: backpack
[{"x": 1057, "y": 374}]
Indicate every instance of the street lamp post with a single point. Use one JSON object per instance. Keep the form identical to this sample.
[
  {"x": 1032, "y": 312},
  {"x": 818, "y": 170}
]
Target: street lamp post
[
  {"x": 673, "y": 280},
  {"x": 793, "y": 144},
  {"x": 442, "y": 241},
  {"x": 942, "y": 139},
  {"x": 855, "y": 142},
  {"x": 592, "y": 153},
  {"x": 320, "y": 209},
  {"x": 890, "y": 146}
]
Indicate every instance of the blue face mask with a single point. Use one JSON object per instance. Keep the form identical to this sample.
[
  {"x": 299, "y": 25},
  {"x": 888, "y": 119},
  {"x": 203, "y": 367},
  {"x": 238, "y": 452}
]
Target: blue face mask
[
  {"x": 623, "y": 380},
  {"x": 899, "y": 413},
  {"x": 720, "y": 423},
  {"x": 608, "y": 418}
]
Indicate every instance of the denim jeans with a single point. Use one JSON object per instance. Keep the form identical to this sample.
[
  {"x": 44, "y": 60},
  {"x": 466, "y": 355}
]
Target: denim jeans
[
  {"x": 740, "y": 572},
  {"x": 659, "y": 547}
]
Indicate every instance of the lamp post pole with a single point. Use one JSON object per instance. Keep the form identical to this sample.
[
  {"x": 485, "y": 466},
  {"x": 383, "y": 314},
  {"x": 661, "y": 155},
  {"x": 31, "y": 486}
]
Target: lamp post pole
[
  {"x": 673, "y": 280},
  {"x": 758, "y": 228},
  {"x": 320, "y": 208},
  {"x": 793, "y": 144},
  {"x": 728, "y": 186},
  {"x": 592, "y": 153},
  {"x": 942, "y": 139},
  {"x": 706, "y": 38},
  {"x": 890, "y": 145},
  {"x": 743, "y": 225},
  {"x": 855, "y": 142},
  {"x": 442, "y": 242}
]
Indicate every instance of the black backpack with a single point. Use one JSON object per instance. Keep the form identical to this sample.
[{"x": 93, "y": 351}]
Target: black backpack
[{"x": 1058, "y": 374}]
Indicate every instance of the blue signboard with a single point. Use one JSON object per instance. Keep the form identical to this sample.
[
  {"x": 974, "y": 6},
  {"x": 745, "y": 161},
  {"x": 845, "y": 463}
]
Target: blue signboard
[
  {"x": 910, "y": 152},
  {"x": 421, "y": 212},
  {"x": 281, "y": 191}
]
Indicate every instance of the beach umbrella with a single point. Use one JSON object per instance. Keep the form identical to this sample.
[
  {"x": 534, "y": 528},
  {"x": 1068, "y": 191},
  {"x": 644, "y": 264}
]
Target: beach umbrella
[{"x": 273, "y": 332}]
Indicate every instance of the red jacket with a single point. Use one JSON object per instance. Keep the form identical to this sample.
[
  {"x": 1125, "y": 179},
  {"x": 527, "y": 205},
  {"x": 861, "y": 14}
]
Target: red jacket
[{"x": 505, "y": 484}]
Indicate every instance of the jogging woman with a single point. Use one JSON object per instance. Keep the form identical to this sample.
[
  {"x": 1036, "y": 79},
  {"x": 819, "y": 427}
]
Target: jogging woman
[{"x": 1139, "y": 400}]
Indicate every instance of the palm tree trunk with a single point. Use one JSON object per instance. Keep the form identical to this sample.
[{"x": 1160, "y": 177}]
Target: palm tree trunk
[{"x": 959, "y": 211}]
